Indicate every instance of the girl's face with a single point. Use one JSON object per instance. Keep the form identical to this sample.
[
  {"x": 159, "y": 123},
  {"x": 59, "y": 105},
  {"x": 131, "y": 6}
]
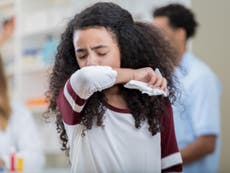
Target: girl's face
[{"x": 96, "y": 46}]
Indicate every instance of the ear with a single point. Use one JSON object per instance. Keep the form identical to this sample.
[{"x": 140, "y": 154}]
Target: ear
[{"x": 181, "y": 33}]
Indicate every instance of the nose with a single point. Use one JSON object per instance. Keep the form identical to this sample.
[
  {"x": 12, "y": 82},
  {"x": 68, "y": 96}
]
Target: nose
[{"x": 91, "y": 60}]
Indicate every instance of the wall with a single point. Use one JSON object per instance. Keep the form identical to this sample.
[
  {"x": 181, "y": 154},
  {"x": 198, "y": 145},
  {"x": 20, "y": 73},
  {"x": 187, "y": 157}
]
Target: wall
[{"x": 212, "y": 45}]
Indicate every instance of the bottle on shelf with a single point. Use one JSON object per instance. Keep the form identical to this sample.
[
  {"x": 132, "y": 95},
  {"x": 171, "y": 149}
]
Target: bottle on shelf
[{"x": 49, "y": 50}]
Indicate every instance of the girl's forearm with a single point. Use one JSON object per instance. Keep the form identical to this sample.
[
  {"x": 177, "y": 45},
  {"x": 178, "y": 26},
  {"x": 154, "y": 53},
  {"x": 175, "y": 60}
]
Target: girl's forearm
[{"x": 124, "y": 75}]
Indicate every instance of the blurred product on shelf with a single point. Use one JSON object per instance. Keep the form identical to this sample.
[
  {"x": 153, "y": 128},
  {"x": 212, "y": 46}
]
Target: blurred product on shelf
[
  {"x": 49, "y": 50},
  {"x": 31, "y": 55},
  {"x": 20, "y": 163},
  {"x": 37, "y": 105},
  {"x": 40, "y": 56},
  {"x": 36, "y": 102}
]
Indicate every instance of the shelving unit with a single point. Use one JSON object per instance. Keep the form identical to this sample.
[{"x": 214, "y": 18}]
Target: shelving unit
[
  {"x": 36, "y": 22},
  {"x": 23, "y": 54},
  {"x": 32, "y": 27}
]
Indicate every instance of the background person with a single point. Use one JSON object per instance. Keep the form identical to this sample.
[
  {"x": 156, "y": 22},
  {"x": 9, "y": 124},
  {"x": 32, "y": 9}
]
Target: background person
[
  {"x": 197, "y": 111},
  {"x": 17, "y": 127}
]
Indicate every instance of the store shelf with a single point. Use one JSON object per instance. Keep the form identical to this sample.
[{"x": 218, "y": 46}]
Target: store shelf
[
  {"x": 38, "y": 109},
  {"x": 51, "y": 20},
  {"x": 34, "y": 68},
  {"x": 57, "y": 29}
]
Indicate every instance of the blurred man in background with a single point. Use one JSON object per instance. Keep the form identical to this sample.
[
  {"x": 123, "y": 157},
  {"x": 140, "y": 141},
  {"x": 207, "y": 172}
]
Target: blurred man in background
[{"x": 197, "y": 110}]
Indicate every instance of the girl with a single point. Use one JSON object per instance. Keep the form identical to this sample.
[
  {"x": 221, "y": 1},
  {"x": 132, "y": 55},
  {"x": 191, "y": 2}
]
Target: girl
[{"x": 105, "y": 126}]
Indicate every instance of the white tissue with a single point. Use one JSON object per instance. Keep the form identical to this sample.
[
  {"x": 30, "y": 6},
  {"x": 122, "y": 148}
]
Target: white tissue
[{"x": 144, "y": 88}]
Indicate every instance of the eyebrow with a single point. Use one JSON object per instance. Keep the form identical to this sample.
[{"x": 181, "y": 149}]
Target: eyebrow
[{"x": 93, "y": 48}]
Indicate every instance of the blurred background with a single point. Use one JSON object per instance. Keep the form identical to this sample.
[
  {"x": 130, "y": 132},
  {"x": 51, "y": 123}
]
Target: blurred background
[{"x": 28, "y": 54}]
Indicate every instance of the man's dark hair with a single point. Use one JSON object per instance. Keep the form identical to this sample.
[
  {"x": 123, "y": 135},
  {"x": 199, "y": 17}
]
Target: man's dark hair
[{"x": 179, "y": 17}]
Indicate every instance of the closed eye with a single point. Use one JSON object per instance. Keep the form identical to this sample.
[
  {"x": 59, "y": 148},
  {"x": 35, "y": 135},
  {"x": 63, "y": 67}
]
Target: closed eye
[
  {"x": 82, "y": 57},
  {"x": 101, "y": 54}
]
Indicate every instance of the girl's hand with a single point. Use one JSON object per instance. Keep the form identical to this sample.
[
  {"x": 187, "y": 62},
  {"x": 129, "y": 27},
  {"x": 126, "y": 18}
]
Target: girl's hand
[{"x": 149, "y": 76}]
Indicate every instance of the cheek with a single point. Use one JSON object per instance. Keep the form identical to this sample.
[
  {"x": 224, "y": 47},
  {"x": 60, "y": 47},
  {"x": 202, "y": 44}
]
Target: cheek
[
  {"x": 116, "y": 59},
  {"x": 118, "y": 56},
  {"x": 80, "y": 63}
]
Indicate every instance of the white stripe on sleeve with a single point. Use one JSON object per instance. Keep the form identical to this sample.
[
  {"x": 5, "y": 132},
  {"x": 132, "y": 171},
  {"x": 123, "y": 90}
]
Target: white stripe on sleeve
[
  {"x": 171, "y": 160},
  {"x": 71, "y": 101}
]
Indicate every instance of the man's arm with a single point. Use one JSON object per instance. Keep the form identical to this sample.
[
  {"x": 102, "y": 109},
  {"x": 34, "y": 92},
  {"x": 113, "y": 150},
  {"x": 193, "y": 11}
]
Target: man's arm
[
  {"x": 205, "y": 118},
  {"x": 199, "y": 148}
]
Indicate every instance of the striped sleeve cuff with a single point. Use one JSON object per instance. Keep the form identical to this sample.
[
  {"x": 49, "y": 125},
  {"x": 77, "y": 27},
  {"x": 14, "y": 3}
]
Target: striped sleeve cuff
[
  {"x": 171, "y": 160},
  {"x": 76, "y": 103}
]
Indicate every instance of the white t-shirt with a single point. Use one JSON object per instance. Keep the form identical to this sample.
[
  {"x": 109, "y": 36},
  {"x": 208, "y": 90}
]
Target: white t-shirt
[{"x": 118, "y": 146}]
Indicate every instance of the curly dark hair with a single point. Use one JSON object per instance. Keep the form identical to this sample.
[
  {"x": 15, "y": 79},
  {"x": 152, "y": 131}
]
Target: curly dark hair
[
  {"x": 179, "y": 17},
  {"x": 141, "y": 45}
]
